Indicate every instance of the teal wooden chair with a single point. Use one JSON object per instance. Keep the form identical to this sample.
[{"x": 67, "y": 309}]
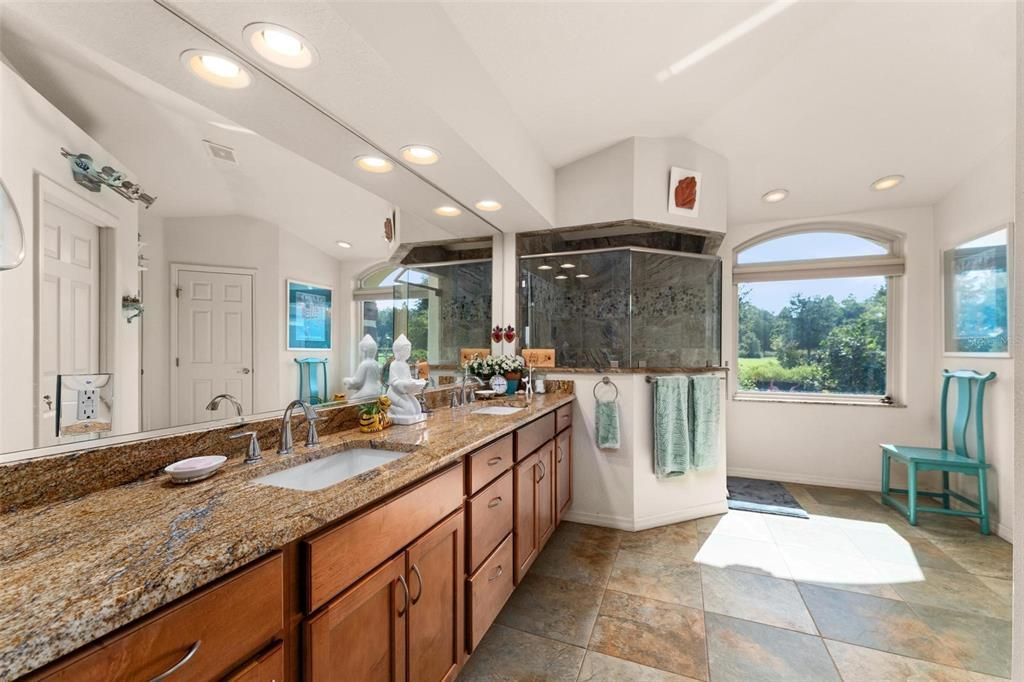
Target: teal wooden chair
[{"x": 969, "y": 405}]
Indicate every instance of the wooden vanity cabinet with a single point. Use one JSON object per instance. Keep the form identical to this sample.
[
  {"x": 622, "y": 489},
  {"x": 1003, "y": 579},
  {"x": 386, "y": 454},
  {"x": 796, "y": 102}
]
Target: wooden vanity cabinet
[
  {"x": 207, "y": 635},
  {"x": 545, "y": 494},
  {"x": 267, "y": 667},
  {"x": 526, "y": 541}
]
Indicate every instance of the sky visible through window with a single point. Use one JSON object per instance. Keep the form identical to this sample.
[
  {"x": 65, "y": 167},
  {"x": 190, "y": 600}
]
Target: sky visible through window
[{"x": 773, "y": 296}]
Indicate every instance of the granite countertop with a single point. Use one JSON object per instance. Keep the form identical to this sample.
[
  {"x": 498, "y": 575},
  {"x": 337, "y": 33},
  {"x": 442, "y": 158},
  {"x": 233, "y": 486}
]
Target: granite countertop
[{"x": 74, "y": 571}]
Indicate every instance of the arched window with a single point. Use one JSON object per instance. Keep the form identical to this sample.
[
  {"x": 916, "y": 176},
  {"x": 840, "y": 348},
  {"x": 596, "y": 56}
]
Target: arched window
[{"x": 815, "y": 313}]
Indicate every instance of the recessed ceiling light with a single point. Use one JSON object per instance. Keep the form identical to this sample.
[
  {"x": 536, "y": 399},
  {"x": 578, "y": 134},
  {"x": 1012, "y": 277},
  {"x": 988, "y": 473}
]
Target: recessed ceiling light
[
  {"x": 280, "y": 45},
  {"x": 344, "y": 244},
  {"x": 374, "y": 164},
  {"x": 216, "y": 69},
  {"x": 567, "y": 266},
  {"x": 561, "y": 276},
  {"x": 447, "y": 211},
  {"x": 888, "y": 182},
  {"x": 582, "y": 275},
  {"x": 488, "y": 205},
  {"x": 544, "y": 267},
  {"x": 420, "y": 154},
  {"x": 775, "y": 196}
]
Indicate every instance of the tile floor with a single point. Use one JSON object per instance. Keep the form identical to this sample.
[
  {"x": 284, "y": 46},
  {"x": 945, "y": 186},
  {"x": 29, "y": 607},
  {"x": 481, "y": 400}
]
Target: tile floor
[{"x": 854, "y": 593}]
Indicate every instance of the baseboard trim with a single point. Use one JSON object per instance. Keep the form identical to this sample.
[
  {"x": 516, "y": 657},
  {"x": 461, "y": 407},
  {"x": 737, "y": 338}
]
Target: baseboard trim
[
  {"x": 829, "y": 481},
  {"x": 626, "y": 523}
]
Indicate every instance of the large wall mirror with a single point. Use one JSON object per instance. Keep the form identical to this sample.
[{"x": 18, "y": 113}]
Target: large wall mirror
[{"x": 246, "y": 249}]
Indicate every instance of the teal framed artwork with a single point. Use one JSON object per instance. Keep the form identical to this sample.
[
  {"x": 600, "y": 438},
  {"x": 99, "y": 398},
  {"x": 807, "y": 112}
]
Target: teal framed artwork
[{"x": 309, "y": 316}]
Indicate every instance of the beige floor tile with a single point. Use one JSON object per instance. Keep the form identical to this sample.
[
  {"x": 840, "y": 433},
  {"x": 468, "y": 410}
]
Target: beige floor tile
[
  {"x": 558, "y": 609},
  {"x": 742, "y": 651},
  {"x": 600, "y": 668},
  {"x": 958, "y": 591},
  {"x": 755, "y": 556},
  {"x": 582, "y": 556},
  {"x": 508, "y": 655},
  {"x": 859, "y": 664},
  {"x": 894, "y": 548},
  {"x": 990, "y": 556},
  {"x": 816, "y": 532},
  {"x": 741, "y": 524},
  {"x": 653, "y": 633},
  {"x": 677, "y": 540},
  {"x": 980, "y": 643},
  {"x": 759, "y": 598},
  {"x": 658, "y": 577}
]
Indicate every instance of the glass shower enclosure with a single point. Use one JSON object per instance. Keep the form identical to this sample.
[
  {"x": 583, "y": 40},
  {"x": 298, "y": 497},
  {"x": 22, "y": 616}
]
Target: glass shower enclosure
[{"x": 627, "y": 307}]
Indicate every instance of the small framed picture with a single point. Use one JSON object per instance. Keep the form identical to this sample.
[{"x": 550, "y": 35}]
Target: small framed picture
[
  {"x": 684, "y": 187},
  {"x": 309, "y": 316}
]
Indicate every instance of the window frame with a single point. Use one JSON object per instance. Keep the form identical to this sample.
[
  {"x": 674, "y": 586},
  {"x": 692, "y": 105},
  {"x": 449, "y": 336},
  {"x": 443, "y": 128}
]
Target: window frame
[
  {"x": 892, "y": 266},
  {"x": 1010, "y": 277}
]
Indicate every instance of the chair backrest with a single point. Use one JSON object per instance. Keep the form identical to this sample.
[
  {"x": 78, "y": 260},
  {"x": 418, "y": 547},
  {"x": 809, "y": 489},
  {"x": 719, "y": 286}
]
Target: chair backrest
[{"x": 970, "y": 401}]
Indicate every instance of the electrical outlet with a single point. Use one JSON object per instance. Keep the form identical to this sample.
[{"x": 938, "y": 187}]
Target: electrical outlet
[{"x": 87, "y": 404}]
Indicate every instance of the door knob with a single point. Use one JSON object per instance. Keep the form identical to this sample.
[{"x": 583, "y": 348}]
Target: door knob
[
  {"x": 246, "y": 370},
  {"x": 49, "y": 402}
]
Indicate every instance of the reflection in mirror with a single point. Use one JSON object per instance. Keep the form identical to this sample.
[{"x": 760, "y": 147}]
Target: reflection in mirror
[
  {"x": 12, "y": 233},
  {"x": 226, "y": 292}
]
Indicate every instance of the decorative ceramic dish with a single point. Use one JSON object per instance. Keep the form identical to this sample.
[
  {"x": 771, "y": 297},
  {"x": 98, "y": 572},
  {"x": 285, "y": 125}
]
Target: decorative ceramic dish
[
  {"x": 194, "y": 468},
  {"x": 486, "y": 394}
]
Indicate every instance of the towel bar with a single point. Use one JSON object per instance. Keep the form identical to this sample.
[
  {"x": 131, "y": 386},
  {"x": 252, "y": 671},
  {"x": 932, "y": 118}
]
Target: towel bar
[{"x": 649, "y": 379}]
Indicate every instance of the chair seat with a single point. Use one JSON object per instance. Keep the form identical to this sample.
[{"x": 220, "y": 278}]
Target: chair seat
[{"x": 909, "y": 453}]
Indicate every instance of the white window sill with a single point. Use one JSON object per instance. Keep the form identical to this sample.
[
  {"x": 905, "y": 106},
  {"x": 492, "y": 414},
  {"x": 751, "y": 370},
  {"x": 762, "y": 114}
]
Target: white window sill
[{"x": 813, "y": 399}]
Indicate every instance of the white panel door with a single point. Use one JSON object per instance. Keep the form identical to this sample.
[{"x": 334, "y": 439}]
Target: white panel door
[
  {"x": 69, "y": 315},
  {"x": 214, "y": 344}
]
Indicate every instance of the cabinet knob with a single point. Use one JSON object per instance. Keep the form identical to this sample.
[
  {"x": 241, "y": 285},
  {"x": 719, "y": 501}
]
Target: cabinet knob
[
  {"x": 497, "y": 574},
  {"x": 494, "y": 503}
]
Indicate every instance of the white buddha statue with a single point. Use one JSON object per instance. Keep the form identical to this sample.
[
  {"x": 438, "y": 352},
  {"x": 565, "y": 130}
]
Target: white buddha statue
[
  {"x": 366, "y": 382},
  {"x": 402, "y": 388}
]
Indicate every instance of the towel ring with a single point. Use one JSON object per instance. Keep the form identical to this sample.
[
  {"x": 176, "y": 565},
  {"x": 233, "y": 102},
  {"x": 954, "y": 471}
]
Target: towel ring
[{"x": 605, "y": 381}]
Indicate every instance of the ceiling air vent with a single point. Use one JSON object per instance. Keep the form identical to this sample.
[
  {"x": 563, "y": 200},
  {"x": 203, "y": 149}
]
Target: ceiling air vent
[{"x": 221, "y": 153}]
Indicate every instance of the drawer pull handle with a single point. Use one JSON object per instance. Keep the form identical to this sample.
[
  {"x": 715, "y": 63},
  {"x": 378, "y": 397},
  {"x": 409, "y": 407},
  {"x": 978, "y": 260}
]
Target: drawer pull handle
[
  {"x": 494, "y": 503},
  {"x": 419, "y": 578},
  {"x": 559, "y": 449},
  {"x": 493, "y": 460},
  {"x": 177, "y": 666},
  {"x": 543, "y": 471},
  {"x": 497, "y": 574},
  {"x": 405, "y": 589}
]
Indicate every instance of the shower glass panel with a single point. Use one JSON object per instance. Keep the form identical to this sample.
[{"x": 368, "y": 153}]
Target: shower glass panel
[{"x": 623, "y": 308}]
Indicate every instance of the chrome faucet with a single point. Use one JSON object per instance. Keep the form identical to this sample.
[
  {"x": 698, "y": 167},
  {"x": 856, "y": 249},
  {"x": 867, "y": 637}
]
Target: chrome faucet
[
  {"x": 529, "y": 384},
  {"x": 312, "y": 438},
  {"x": 253, "y": 454},
  {"x": 215, "y": 402},
  {"x": 470, "y": 397}
]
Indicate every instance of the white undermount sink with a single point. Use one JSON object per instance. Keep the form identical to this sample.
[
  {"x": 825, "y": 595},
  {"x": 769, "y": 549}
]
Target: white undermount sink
[
  {"x": 498, "y": 410},
  {"x": 322, "y": 473}
]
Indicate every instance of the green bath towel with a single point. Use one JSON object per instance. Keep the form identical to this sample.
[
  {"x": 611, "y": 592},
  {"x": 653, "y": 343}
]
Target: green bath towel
[
  {"x": 706, "y": 418},
  {"x": 607, "y": 422},
  {"x": 672, "y": 446}
]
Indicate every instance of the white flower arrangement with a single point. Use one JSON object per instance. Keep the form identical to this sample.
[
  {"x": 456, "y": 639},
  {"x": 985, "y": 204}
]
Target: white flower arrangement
[{"x": 496, "y": 364}]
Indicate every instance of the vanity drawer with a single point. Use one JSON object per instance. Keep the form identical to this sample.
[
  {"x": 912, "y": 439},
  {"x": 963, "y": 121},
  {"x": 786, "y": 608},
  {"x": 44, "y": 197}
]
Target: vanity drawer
[
  {"x": 488, "y": 463},
  {"x": 563, "y": 418},
  {"x": 489, "y": 589},
  {"x": 340, "y": 556},
  {"x": 534, "y": 434},
  {"x": 490, "y": 519},
  {"x": 224, "y": 624}
]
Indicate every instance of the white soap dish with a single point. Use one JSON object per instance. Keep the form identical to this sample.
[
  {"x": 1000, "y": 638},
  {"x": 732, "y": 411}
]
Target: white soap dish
[
  {"x": 486, "y": 394},
  {"x": 194, "y": 468}
]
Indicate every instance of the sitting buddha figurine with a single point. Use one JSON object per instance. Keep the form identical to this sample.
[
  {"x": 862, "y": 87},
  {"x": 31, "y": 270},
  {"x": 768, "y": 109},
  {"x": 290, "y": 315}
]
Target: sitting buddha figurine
[
  {"x": 402, "y": 388},
  {"x": 366, "y": 382}
]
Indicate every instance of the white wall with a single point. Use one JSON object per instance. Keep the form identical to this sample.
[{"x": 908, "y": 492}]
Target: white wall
[
  {"x": 838, "y": 444},
  {"x": 981, "y": 202},
  {"x": 618, "y": 488},
  {"x": 32, "y": 132}
]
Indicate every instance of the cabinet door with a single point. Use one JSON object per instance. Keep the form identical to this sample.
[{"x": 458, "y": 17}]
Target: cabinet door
[
  {"x": 360, "y": 635},
  {"x": 545, "y": 494},
  {"x": 525, "y": 530},
  {"x": 436, "y": 572},
  {"x": 563, "y": 474}
]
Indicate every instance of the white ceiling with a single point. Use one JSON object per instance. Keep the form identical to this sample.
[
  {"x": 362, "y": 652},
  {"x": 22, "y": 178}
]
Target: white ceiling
[{"x": 822, "y": 98}]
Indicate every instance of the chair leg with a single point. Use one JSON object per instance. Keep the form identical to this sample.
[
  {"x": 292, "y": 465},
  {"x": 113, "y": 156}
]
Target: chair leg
[
  {"x": 912, "y": 493},
  {"x": 983, "y": 501},
  {"x": 886, "y": 465},
  {"x": 945, "y": 490}
]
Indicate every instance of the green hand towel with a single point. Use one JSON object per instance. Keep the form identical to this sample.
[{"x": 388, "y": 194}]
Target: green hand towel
[
  {"x": 672, "y": 447},
  {"x": 607, "y": 422},
  {"x": 706, "y": 419}
]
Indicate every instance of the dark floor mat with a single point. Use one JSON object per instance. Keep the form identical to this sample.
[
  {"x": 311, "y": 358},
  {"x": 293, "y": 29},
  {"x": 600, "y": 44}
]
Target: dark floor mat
[{"x": 766, "y": 497}]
